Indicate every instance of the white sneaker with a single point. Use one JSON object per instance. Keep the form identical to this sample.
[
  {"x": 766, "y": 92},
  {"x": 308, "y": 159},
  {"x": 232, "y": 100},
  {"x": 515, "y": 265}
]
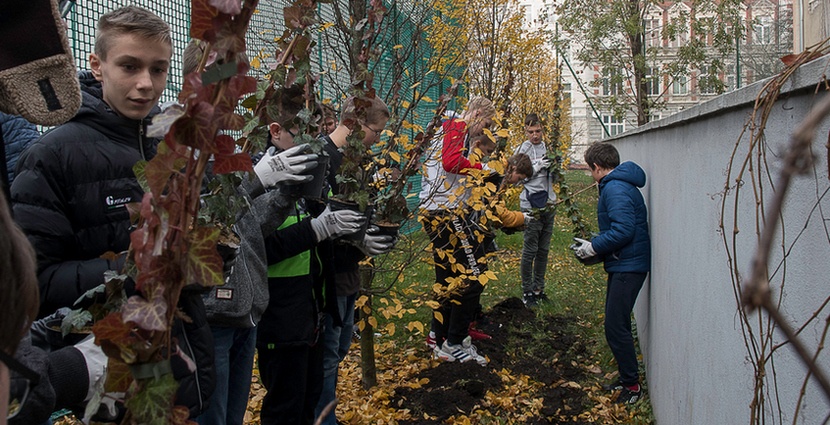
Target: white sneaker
[{"x": 463, "y": 352}]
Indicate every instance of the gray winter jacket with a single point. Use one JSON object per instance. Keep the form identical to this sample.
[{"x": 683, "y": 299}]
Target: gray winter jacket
[{"x": 242, "y": 299}]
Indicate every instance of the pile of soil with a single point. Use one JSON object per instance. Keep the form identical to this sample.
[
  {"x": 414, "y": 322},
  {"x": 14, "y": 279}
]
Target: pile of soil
[{"x": 544, "y": 348}]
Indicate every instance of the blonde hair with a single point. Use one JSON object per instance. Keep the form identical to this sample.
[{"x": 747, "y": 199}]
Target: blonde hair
[
  {"x": 483, "y": 105},
  {"x": 19, "y": 295},
  {"x": 129, "y": 20},
  {"x": 376, "y": 113}
]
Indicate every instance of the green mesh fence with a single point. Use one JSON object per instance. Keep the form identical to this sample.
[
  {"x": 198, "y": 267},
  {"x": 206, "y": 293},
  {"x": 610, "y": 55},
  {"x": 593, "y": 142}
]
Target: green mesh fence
[{"x": 404, "y": 61}]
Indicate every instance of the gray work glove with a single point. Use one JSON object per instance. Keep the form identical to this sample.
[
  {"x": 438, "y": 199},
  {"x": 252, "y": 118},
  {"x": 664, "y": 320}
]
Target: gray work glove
[
  {"x": 287, "y": 167},
  {"x": 528, "y": 218},
  {"x": 374, "y": 244},
  {"x": 332, "y": 224},
  {"x": 585, "y": 249},
  {"x": 540, "y": 164}
]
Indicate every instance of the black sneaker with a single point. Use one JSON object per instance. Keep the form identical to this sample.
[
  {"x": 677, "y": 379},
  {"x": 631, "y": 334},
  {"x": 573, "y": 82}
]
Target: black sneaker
[
  {"x": 628, "y": 396},
  {"x": 541, "y": 296},
  {"x": 613, "y": 386},
  {"x": 529, "y": 299}
]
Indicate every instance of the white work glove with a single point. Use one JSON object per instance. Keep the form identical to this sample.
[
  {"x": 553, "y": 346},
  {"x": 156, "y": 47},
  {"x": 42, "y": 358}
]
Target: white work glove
[
  {"x": 373, "y": 244},
  {"x": 96, "y": 362},
  {"x": 285, "y": 167},
  {"x": 540, "y": 164},
  {"x": 332, "y": 224},
  {"x": 528, "y": 218},
  {"x": 585, "y": 249}
]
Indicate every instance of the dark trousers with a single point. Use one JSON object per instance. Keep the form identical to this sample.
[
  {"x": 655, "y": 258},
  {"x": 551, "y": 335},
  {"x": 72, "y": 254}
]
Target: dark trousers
[
  {"x": 293, "y": 377},
  {"x": 621, "y": 293},
  {"x": 456, "y": 237}
]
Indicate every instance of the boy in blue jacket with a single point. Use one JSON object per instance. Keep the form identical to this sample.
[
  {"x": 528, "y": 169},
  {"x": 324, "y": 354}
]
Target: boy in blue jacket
[{"x": 623, "y": 243}]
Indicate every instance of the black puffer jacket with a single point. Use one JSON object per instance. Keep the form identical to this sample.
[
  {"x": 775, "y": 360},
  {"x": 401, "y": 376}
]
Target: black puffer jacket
[
  {"x": 70, "y": 193},
  {"x": 69, "y": 196}
]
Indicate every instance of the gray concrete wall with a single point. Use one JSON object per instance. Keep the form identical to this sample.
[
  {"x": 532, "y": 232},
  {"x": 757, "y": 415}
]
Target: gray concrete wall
[{"x": 697, "y": 351}]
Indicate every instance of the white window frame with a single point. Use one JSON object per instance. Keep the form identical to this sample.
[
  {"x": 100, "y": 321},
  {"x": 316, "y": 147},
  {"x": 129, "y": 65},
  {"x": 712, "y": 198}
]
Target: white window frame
[{"x": 613, "y": 124}]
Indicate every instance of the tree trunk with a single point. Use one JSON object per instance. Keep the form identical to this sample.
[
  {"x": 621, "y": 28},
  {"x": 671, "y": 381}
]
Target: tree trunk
[
  {"x": 367, "y": 335},
  {"x": 636, "y": 41}
]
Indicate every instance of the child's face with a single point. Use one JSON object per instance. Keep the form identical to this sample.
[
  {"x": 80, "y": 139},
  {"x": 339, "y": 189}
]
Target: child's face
[
  {"x": 514, "y": 177},
  {"x": 134, "y": 74},
  {"x": 329, "y": 125},
  {"x": 534, "y": 134},
  {"x": 282, "y": 137},
  {"x": 372, "y": 132}
]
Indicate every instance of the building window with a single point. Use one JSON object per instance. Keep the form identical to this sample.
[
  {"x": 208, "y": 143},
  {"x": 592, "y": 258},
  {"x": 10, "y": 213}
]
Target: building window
[
  {"x": 762, "y": 30},
  {"x": 611, "y": 82},
  {"x": 654, "y": 116},
  {"x": 652, "y": 29},
  {"x": 731, "y": 81},
  {"x": 566, "y": 93},
  {"x": 613, "y": 124},
  {"x": 653, "y": 82},
  {"x": 680, "y": 86},
  {"x": 707, "y": 82}
]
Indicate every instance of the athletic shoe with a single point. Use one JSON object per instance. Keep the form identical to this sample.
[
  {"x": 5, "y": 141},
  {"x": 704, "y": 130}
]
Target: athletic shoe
[
  {"x": 463, "y": 352},
  {"x": 431, "y": 340},
  {"x": 529, "y": 300},
  {"x": 541, "y": 296},
  {"x": 629, "y": 395},
  {"x": 613, "y": 386},
  {"x": 477, "y": 335}
]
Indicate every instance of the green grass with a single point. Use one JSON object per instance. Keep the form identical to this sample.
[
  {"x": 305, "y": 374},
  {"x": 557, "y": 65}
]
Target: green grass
[{"x": 573, "y": 289}]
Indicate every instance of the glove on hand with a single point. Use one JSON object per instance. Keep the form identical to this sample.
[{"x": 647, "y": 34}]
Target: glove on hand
[
  {"x": 528, "y": 218},
  {"x": 331, "y": 224},
  {"x": 540, "y": 164},
  {"x": 285, "y": 167},
  {"x": 374, "y": 244},
  {"x": 585, "y": 249}
]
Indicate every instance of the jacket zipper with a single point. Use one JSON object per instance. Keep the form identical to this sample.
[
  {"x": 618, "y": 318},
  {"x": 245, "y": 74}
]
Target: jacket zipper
[
  {"x": 141, "y": 140},
  {"x": 196, "y": 372}
]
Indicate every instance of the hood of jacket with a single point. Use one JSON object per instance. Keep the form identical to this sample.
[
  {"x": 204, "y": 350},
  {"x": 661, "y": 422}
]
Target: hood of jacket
[
  {"x": 95, "y": 113},
  {"x": 628, "y": 172}
]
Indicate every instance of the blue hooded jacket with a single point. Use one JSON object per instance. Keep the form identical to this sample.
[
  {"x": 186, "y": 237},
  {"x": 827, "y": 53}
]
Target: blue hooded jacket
[
  {"x": 623, "y": 238},
  {"x": 17, "y": 135}
]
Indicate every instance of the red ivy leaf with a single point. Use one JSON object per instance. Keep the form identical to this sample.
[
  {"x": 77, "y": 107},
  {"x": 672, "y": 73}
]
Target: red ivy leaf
[
  {"x": 166, "y": 162},
  {"x": 119, "y": 377},
  {"x": 204, "y": 265},
  {"x": 232, "y": 163},
  {"x": 199, "y": 128},
  {"x": 201, "y": 20},
  {"x": 226, "y": 161},
  {"x": 111, "y": 328},
  {"x": 180, "y": 415},
  {"x": 150, "y": 315},
  {"x": 163, "y": 121},
  {"x": 231, "y": 7}
]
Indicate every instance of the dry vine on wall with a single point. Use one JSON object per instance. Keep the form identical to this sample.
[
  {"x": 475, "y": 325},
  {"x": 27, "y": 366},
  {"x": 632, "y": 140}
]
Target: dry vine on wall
[{"x": 749, "y": 174}]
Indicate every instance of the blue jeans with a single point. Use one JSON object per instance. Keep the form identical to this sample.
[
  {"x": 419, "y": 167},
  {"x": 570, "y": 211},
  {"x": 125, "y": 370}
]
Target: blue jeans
[
  {"x": 621, "y": 293},
  {"x": 234, "y": 366},
  {"x": 336, "y": 343},
  {"x": 535, "y": 250}
]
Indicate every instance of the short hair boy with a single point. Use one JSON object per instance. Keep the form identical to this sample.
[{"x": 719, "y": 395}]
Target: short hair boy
[
  {"x": 624, "y": 244},
  {"x": 73, "y": 185}
]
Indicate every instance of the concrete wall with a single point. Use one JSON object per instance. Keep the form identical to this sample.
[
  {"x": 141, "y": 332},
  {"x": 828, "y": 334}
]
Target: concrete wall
[{"x": 697, "y": 351}]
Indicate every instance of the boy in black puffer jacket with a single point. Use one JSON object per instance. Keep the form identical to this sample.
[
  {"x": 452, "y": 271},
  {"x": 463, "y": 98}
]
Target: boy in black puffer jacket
[{"x": 73, "y": 184}]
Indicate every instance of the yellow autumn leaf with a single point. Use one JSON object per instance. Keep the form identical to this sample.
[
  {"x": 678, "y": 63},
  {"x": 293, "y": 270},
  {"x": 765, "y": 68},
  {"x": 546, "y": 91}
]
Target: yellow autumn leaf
[
  {"x": 255, "y": 63},
  {"x": 395, "y": 156}
]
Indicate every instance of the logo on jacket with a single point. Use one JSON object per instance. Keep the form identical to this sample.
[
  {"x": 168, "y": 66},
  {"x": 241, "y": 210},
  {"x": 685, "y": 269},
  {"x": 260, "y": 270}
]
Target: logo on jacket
[{"x": 114, "y": 201}]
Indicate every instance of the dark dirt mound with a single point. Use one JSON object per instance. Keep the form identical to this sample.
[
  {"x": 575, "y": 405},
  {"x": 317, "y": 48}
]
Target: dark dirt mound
[{"x": 544, "y": 348}]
